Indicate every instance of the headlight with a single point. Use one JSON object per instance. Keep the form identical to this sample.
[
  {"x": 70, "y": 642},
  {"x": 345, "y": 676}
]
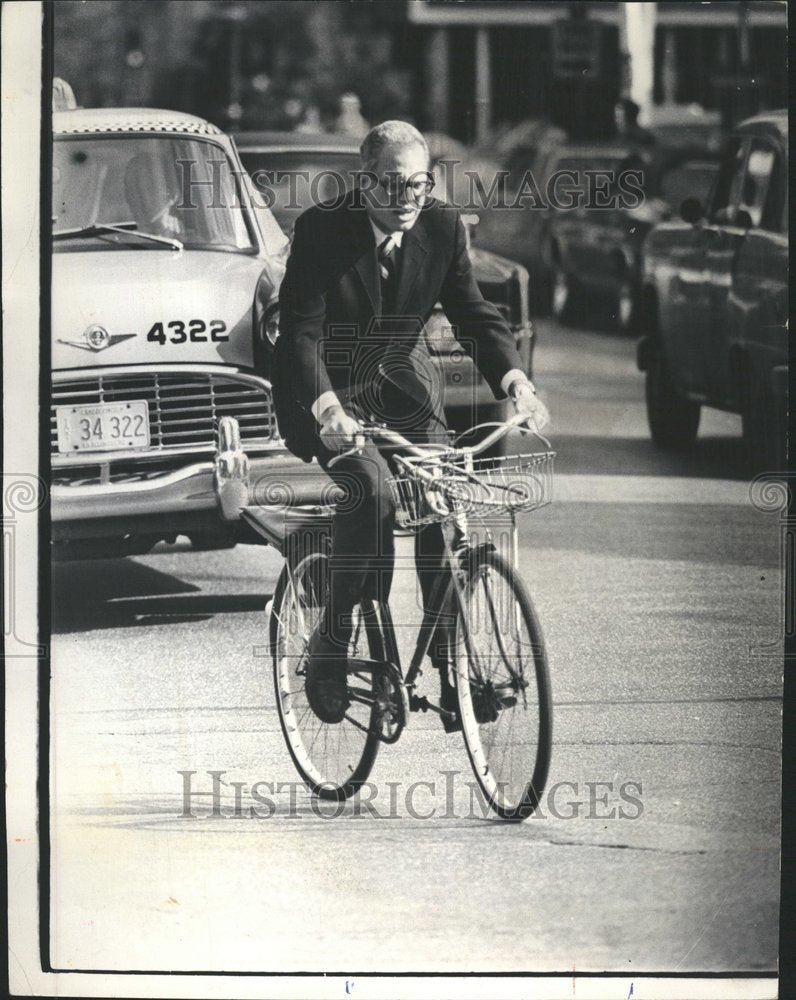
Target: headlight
[{"x": 271, "y": 325}]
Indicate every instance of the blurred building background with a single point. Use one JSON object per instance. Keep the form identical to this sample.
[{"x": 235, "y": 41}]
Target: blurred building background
[{"x": 464, "y": 69}]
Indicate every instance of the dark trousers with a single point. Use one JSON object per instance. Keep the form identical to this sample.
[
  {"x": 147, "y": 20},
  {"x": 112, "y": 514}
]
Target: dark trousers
[{"x": 363, "y": 547}]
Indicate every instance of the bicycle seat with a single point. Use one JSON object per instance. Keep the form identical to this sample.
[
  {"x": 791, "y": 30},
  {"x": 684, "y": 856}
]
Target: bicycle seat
[{"x": 286, "y": 527}]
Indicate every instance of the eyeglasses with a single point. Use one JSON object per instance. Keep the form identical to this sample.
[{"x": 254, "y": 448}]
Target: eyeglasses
[{"x": 413, "y": 188}]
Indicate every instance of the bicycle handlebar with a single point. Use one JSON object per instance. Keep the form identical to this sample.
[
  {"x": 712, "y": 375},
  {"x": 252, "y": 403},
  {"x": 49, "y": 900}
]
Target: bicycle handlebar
[{"x": 370, "y": 432}]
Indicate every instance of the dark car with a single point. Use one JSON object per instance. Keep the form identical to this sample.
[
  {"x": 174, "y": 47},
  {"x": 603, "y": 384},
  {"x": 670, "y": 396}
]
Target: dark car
[
  {"x": 595, "y": 252},
  {"x": 715, "y": 300},
  {"x": 559, "y": 179},
  {"x": 295, "y": 170}
]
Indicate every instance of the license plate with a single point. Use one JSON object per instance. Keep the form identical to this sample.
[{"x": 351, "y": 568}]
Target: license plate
[{"x": 103, "y": 427}]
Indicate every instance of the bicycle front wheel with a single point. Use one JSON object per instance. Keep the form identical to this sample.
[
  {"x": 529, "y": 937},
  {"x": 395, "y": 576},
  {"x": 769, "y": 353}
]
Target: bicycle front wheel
[
  {"x": 503, "y": 687},
  {"x": 334, "y": 760}
]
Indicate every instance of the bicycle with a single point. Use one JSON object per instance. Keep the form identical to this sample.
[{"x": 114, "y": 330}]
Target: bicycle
[{"x": 496, "y": 656}]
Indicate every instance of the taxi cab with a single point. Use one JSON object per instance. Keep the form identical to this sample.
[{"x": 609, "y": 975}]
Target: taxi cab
[
  {"x": 165, "y": 273},
  {"x": 715, "y": 300}
]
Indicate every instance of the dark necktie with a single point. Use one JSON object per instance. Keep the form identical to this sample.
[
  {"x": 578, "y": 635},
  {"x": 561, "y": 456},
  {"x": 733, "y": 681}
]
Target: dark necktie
[{"x": 387, "y": 252}]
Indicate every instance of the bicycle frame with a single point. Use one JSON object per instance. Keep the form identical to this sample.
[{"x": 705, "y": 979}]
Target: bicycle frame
[
  {"x": 448, "y": 591},
  {"x": 491, "y": 654}
]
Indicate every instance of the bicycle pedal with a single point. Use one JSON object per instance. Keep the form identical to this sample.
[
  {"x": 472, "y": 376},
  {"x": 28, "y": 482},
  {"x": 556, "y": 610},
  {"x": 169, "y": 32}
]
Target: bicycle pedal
[{"x": 420, "y": 703}]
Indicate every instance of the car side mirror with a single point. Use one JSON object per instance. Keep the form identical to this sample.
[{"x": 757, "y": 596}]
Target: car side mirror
[{"x": 692, "y": 211}]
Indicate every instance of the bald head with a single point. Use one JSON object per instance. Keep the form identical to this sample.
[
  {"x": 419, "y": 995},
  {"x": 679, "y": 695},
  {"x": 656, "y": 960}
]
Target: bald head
[{"x": 395, "y": 134}]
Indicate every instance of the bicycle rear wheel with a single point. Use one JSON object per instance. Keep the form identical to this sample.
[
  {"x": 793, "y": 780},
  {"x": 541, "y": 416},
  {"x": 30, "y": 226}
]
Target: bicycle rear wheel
[
  {"x": 503, "y": 687},
  {"x": 334, "y": 760}
]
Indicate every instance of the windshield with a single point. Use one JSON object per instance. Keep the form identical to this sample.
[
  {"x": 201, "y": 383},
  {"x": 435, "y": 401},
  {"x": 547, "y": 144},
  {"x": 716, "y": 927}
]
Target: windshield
[
  {"x": 298, "y": 179},
  {"x": 170, "y": 188}
]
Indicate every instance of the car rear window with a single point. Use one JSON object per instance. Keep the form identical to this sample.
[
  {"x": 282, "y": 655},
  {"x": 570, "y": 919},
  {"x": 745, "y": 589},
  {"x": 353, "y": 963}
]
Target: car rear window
[
  {"x": 578, "y": 166},
  {"x": 691, "y": 180},
  {"x": 292, "y": 181}
]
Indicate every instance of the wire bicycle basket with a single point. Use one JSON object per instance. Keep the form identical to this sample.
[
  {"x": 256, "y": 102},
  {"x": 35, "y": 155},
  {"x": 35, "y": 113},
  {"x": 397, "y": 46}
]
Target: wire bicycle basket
[{"x": 479, "y": 487}]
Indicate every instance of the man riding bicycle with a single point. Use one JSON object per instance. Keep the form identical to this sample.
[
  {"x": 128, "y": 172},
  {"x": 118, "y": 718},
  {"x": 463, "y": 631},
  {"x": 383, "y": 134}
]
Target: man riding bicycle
[{"x": 364, "y": 274}]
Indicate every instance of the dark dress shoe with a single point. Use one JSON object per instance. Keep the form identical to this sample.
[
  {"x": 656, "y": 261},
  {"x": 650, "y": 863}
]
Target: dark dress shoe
[
  {"x": 451, "y": 722},
  {"x": 326, "y": 681},
  {"x": 487, "y": 705}
]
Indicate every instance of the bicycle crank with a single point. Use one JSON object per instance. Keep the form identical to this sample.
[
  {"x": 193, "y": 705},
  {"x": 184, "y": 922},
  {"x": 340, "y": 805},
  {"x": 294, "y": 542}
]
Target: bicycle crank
[{"x": 386, "y": 697}]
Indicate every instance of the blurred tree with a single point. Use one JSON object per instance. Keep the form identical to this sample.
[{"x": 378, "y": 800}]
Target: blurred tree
[
  {"x": 247, "y": 63},
  {"x": 277, "y": 63},
  {"x": 318, "y": 52}
]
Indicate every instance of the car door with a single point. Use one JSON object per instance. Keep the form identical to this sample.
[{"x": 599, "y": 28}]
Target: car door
[
  {"x": 701, "y": 280},
  {"x": 728, "y": 236},
  {"x": 757, "y": 303}
]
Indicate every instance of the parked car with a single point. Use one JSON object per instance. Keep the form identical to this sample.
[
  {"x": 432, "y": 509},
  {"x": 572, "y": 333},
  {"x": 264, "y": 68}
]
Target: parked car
[
  {"x": 161, "y": 407},
  {"x": 715, "y": 300},
  {"x": 519, "y": 147},
  {"x": 539, "y": 197},
  {"x": 295, "y": 170},
  {"x": 596, "y": 252}
]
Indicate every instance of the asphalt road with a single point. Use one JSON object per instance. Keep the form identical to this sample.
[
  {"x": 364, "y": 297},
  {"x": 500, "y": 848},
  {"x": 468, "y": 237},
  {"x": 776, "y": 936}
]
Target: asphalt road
[{"x": 656, "y": 848}]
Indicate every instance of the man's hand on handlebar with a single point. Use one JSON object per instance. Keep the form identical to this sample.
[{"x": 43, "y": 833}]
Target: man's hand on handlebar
[
  {"x": 337, "y": 428},
  {"x": 354, "y": 435},
  {"x": 528, "y": 404}
]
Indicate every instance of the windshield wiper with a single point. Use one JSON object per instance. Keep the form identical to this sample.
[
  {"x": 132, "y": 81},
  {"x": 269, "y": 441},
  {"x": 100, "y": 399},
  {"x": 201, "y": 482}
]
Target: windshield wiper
[{"x": 125, "y": 228}]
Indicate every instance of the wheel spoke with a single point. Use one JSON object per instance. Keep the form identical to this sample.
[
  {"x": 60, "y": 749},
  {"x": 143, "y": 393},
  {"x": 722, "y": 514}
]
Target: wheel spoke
[
  {"x": 327, "y": 756},
  {"x": 502, "y": 730}
]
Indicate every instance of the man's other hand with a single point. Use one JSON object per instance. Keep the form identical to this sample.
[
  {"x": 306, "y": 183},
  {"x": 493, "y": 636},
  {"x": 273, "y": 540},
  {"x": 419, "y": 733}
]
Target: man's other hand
[
  {"x": 337, "y": 428},
  {"x": 529, "y": 405}
]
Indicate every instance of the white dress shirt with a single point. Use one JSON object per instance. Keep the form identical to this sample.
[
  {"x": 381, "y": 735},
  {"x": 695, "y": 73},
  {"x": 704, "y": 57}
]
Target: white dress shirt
[{"x": 329, "y": 398}]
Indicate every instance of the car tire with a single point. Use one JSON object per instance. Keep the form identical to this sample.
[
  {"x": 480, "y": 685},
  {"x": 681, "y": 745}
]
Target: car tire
[
  {"x": 763, "y": 437},
  {"x": 673, "y": 419},
  {"x": 209, "y": 541},
  {"x": 564, "y": 295}
]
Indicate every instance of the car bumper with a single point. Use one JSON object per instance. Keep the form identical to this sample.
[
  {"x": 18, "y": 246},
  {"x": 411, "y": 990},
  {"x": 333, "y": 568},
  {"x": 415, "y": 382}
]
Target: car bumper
[{"x": 203, "y": 495}]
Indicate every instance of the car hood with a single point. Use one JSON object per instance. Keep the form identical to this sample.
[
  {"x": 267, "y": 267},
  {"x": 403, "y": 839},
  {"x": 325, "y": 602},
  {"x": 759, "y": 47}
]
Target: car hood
[
  {"x": 491, "y": 267},
  {"x": 128, "y": 292}
]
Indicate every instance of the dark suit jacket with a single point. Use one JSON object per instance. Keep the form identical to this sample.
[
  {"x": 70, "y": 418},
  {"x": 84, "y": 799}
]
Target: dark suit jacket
[{"x": 333, "y": 335}]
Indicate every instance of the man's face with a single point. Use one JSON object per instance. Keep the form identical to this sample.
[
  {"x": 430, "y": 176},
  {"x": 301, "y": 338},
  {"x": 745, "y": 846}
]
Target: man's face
[{"x": 392, "y": 204}]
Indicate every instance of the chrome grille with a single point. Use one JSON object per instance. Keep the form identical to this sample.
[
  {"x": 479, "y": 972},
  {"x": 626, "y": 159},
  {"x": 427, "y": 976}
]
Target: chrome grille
[{"x": 184, "y": 409}]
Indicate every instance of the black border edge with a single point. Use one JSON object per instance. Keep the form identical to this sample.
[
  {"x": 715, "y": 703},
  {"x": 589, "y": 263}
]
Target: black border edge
[
  {"x": 787, "y": 895},
  {"x": 44, "y": 588}
]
